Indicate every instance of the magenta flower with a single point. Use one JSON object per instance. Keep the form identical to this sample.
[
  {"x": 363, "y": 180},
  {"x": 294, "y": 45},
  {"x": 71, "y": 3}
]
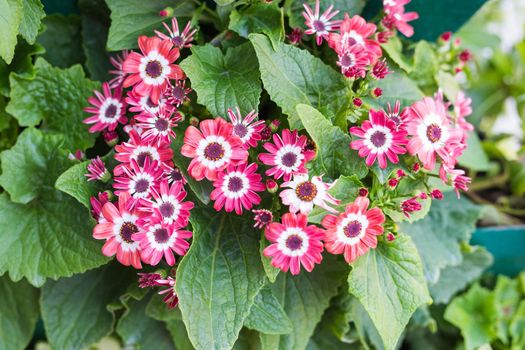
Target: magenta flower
[
  {"x": 167, "y": 203},
  {"x": 138, "y": 181},
  {"x": 262, "y": 218},
  {"x": 119, "y": 74},
  {"x": 97, "y": 171},
  {"x": 353, "y": 61},
  {"x": 179, "y": 40},
  {"x": 178, "y": 93},
  {"x": 96, "y": 206},
  {"x": 396, "y": 17},
  {"x": 320, "y": 24},
  {"x": 158, "y": 127},
  {"x": 410, "y": 206},
  {"x": 248, "y": 130},
  {"x": 397, "y": 115},
  {"x": 108, "y": 109}
]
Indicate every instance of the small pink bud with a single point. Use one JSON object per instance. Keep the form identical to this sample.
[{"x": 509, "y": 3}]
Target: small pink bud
[
  {"x": 446, "y": 36},
  {"x": 357, "y": 102},
  {"x": 416, "y": 167},
  {"x": 274, "y": 125},
  {"x": 266, "y": 134},
  {"x": 377, "y": 92},
  {"x": 390, "y": 237},
  {"x": 194, "y": 121},
  {"x": 400, "y": 173},
  {"x": 392, "y": 183},
  {"x": 167, "y": 12},
  {"x": 271, "y": 186},
  {"x": 363, "y": 192},
  {"x": 465, "y": 55},
  {"x": 423, "y": 195},
  {"x": 436, "y": 194},
  {"x": 111, "y": 137},
  {"x": 383, "y": 37}
]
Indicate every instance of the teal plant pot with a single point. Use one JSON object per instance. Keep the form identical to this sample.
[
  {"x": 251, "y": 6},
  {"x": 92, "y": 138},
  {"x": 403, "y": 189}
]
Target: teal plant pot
[{"x": 507, "y": 245}]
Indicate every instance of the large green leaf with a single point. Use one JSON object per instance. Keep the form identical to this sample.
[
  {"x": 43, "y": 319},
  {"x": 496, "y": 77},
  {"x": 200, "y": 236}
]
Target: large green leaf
[
  {"x": 56, "y": 96},
  {"x": 258, "y": 18},
  {"x": 18, "y": 313},
  {"x": 73, "y": 182},
  {"x": 394, "y": 50},
  {"x": 517, "y": 327},
  {"x": 304, "y": 298},
  {"x": 474, "y": 156},
  {"x": 334, "y": 155},
  {"x": 51, "y": 235},
  {"x": 22, "y": 64},
  {"x": 179, "y": 335},
  {"x": 224, "y": 81},
  {"x": 507, "y": 297},
  {"x": 219, "y": 277},
  {"x": 131, "y": 18},
  {"x": 293, "y": 76},
  {"x": 389, "y": 282},
  {"x": 31, "y": 17},
  {"x": 12, "y": 12},
  {"x": 294, "y": 9},
  {"x": 75, "y": 310},
  {"x": 438, "y": 235},
  {"x": 267, "y": 315},
  {"x": 454, "y": 278},
  {"x": 474, "y": 313},
  {"x": 425, "y": 66},
  {"x": 396, "y": 86}
]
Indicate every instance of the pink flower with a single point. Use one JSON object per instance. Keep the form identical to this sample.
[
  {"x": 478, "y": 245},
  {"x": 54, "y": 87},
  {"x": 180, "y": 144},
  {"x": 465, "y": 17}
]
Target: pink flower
[
  {"x": 138, "y": 181},
  {"x": 178, "y": 93},
  {"x": 179, "y": 40},
  {"x": 108, "y": 109},
  {"x": 295, "y": 36},
  {"x": 396, "y": 17},
  {"x": 353, "y": 61},
  {"x": 173, "y": 174},
  {"x": 212, "y": 148},
  {"x": 262, "y": 218},
  {"x": 147, "y": 280},
  {"x": 97, "y": 204},
  {"x": 294, "y": 243},
  {"x": 245, "y": 128},
  {"x": 463, "y": 108},
  {"x": 396, "y": 115},
  {"x": 118, "y": 229},
  {"x": 168, "y": 204},
  {"x": 97, "y": 171},
  {"x": 144, "y": 104},
  {"x": 236, "y": 188},
  {"x": 457, "y": 177},
  {"x": 379, "y": 139},
  {"x": 431, "y": 132},
  {"x": 409, "y": 206},
  {"x": 138, "y": 150},
  {"x": 158, "y": 127},
  {"x": 158, "y": 240},
  {"x": 287, "y": 155},
  {"x": 302, "y": 194},
  {"x": 320, "y": 24},
  {"x": 380, "y": 70},
  {"x": 356, "y": 31},
  {"x": 119, "y": 74},
  {"x": 150, "y": 71},
  {"x": 436, "y": 194},
  {"x": 355, "y": 231}
]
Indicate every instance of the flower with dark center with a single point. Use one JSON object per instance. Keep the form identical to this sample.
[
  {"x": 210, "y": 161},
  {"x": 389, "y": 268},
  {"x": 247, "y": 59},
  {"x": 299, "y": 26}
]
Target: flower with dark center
[
  {"x": 433, "y": 133},
  {"x": 161, "y": 235},
  {"x": 107, "y": 108},
  {"x": 352, "y": 229},
  {"x": 138, "y": 181},
  {"x": 302, "y": 193},
  {"x": 127, "y": 230},
  {"x": 248, "y": 129},
  {"x": 320, "y": 24},
  {"x": 235, "y": 184},
  {"x": 168, "y": 204},
  {"x": 214, "y": 151},
  {"x": 153, "y": 69},
  {"x": 294, "y": 242},
  {"x": 306, "y": 191},
  {"x": 142, "y": 185},
  {"x": 289, "y": 159},
  {"x": 378, "y": 138},
  {"x": 263, "y": 217},
  {"x": 178, "y": 39},
  {"x": 166, "y": 209}
]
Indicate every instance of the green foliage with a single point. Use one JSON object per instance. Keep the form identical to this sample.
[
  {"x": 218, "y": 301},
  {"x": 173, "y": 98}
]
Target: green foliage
[
  {"x": 224, "y": 81},
  {"x": 12, "y": 17},
  {"x": 73, "y": 182},
  {"x": 259, "y": 18},
  {"x": 294, "y": 8},
  {"x": 267, "y": 316},
  {"x": 32, "y": 14}
]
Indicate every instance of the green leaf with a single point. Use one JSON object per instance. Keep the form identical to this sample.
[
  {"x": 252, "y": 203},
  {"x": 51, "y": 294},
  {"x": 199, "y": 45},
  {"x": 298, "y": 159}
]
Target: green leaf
[
  {"x": 394, "y": 50},
  {"x": 56, "y": 96},
  {"x": 346, "y": 189},
  {"x": 74, "y": 182},
  {"x": 448, "y": 83},
  {"x": 158, "y": 310},
  {"x": 454, "y": 278},
  {"x": 258, "y": 18},
  {"x": 294, "y": 9},
  {"x": 293, "y": 76},
  {"x": 474, "y": 157},
  {"x": 271, "y": 271},
  {"x": 62, "y": 40},
  {"x": 393, "y": 269},
  {"x": 224, "y": 81},
  {"x": 267, "y": 315},
  {"x": 74, "y": 309},
  {"x": 51, "y": 235},
  {"x": 12, "y": 12},
  {"x": 517, "y": 327},
  {"x": 131, "y": 18},
  {"x": 304, "y": 298},
  {"x": 507, "y": 297},
  {"x": 336, "y": 319},
  {"x": 18, "y": 313},
  {"x": 334, "y": 156},
  {"x": 438, "y": 235},
  {"x": 139, "y": 331},
  {"x": 219, "y": 277},
  {"x": 425, "y": 66},
  {"x": 22, "y": 64},
  {"x": 474, "y": 313},
  {"x": 31, "y": 17},
  {"x": 395, "y": 86},
  {"x": 179, "y": 335},
  {"x": 398, "y": 216}
]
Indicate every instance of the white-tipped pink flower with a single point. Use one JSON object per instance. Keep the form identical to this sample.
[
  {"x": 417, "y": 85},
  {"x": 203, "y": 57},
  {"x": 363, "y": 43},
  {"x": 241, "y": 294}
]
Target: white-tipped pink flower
[
  {"x": 248, "y": 129},
  {"x": 168, "y": 204},
  {"x": 158, "y": 127},
  {"x": 320, "y": 24},
  {"x": 97, "y": 171},
  {"x": 178, "y": 39},
  {"x": 303, "y": 193},
  {"x": 108, "y": 109},
  {"x": 117, "y": 61},
  {"x": 138, "y": 181}
]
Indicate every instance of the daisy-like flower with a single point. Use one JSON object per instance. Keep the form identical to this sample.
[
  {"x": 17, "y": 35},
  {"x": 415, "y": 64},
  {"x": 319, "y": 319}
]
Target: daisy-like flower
[
  {"x": 158, "y": 127},
  {"x": 409, "y": 206},
  {"x": 178, "y": 93},
  {"x": 248, "y": 130},
  {"x": 356, "y": 31},
  {"x": 158, "y": 240},
  {"x": 173, "y": 174},
  {"x": 294, "y": 243},
  {"x": 457, "y": 178},
  {"x": 396, "y": 17},
  {"x": 144, "y": 104},
  {"x": 431, "y": 132},
  {"x": 355, "y": 231},
  {"x": 287, "y": 155},
  {"x": 168, "y": 204},
  {"x": 397, "y": 115},
  {"x": 212, "y": 148},
  {"x": 380, "y": 70},
  {"x": 379, "y": 139},
  {"x": 116, "y": 61},
  {"x": 236, "y": 188},
  {"x": 97, "y": 171},
  {"x": 170, "y": 294},
  {"x": 354, "y": 61},
  {"x": 96, "y": 206},
  {"x": 320, "y": 24},
  {"x": 108, "y": 109},
  {"x": 117, "y": 229},
  {"x": 139, "y": 150},
  {"x": 150, "y": 71},
  {"x": 303, "y": 193},
  {"x": 179, "y": 40},
  {"x": 462, "y": 109},
  {"x": 262, "y": 218},
  {"x": 138, "y": 181}
]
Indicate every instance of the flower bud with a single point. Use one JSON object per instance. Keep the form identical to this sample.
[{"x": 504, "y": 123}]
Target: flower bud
[
  {"x": 271, "y": 186},
  {"x": 392, "y": 183},
  {"x": 436, "y": 194},
  {"x": 377, "y": 92},
  {"x": 167, "y": 12},
  {"x": 357, "y": 102},
  {"x": 363, "y": 192},
  {"x": 274, "y": 125},
  {"x": 194, "y": 121},
  {"x": 111, "y": 137},
  {"x": 445, "y": 37}
]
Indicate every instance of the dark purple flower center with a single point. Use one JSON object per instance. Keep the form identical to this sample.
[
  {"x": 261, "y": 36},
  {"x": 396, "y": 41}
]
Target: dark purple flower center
[
  {"x": 240, "y": 130},
  {"x": 294, "y": 242},
  {"x": 434, "y": 133},
  {"x": 176, "y": 175},
  {"x": 178, "y": 41},
  {"x": 150, "y": 103},
  {"x": 306, "y": 191},
  {"x": 162, "y": 124},
  {"x": 161, "y": 235},
  {"x": 289, "y": 159},
  {"x": 265, "y": 218},
  {"x": 111, "y": 111},
  {"x": 378, "y": 138},
  {"x": 318, "y": 25},
  {"x": 353, "y": 229},
  {"x": 153, "y": 69},
  {"x": 166, "y": 209},
  {"x": 347, "y": 61},
  {"x": 351, "y": 41},
  {"x": 178, "y": 93},
  {"x": 214, "y": 151},
  {"x": 235, "y": 184},
  {"x": 141, "y": 158},
  {"x": 141, "y": 185},
  {"x": 127, "y": 230},
  {"x": 395, "y": 118}
]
